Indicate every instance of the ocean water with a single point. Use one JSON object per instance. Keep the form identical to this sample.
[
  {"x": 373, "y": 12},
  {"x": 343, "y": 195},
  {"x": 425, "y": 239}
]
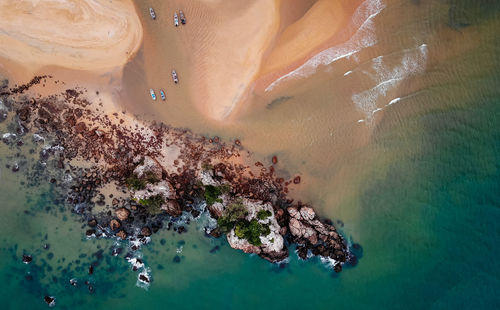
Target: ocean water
[{"x": 425, "y": 207}]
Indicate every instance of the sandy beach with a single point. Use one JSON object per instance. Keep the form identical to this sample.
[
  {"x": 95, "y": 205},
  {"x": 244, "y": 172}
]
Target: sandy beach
[{"x": 84, "y": 35}]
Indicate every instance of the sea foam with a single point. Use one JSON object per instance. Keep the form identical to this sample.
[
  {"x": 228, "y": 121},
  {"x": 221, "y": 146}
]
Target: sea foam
[
  {"x": 363, "y": 38},
  {"x": 413, "y": 61}
]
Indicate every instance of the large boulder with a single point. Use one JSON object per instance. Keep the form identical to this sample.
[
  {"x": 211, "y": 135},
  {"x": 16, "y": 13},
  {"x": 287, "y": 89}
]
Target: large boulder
[
  {"x": 122, "y": 214},
  {"x": 172, "y": 208},
  {"x": 272, "y": 245}
]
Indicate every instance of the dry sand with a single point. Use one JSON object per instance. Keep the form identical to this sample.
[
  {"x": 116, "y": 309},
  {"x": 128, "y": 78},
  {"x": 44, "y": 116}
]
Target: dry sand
[
  {"x": 228, "y": 46},
  {"x": 76, "y": 34}
]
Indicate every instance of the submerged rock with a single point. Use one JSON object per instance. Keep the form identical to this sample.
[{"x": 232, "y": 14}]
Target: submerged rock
[
  {"x": 50, "y": 301},
  {"x": 27, "y": 259}
]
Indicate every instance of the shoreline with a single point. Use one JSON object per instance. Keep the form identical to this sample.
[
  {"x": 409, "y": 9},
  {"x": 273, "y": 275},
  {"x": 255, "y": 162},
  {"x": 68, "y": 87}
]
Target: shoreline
[{"x": 163, "y": 172}]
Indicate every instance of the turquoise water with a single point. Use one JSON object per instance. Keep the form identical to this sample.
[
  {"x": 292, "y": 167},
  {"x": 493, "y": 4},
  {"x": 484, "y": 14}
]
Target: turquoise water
[{"x": 427, "y": 215}]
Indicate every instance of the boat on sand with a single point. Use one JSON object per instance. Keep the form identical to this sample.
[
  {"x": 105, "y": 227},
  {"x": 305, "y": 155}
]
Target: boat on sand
[
  {"x": 176, "y": 19},
  {"x": 183, "y": 18},
  {"x": 175, "y": 77},
  {"x": 152, "y": 92},
  {"x": 152, "y": 13}
]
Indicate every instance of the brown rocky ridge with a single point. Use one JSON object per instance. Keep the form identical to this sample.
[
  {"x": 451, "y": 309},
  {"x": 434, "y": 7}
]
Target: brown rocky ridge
[{"x": 159, "y": 173}]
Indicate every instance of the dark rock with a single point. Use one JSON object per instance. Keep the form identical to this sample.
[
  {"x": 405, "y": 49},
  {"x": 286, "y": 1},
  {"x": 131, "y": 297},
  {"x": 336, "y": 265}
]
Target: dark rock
[
  {"x": 337, "y": 268},
  {"x": 296, "y": 180},
  {"x": 302, "y": 252},
  {"x": 122, "y": 213},
  {"x": 145, "y": 231},
  {"x": 172, "y": 208},
  {"x": 80, "y": 127},
  {"x": 121, "y": 234},
  {"x": 195, "y": 213},
  {"x": 144, "y": 278},
  {"x": 90, "y": 232},
  {"x": 27, "y": 259},
  {"x": 181, "y": 229},
  {"x": 92, "y": 222},
  {"x": 24, "y": 114},
  {"x": 177, "y": 259},
  {"x": 214, "y": 249},
  {"x": 50, "y": 300},
  {"x": 116, "y": 251},
  {"x": 352, "y": 260},
  {"x": 114, "y": 224},
  {"x": 275, "y": 160},
  {"x": 215, "y": 233}
]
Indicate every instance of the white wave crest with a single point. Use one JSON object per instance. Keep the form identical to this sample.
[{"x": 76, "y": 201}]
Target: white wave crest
[
  {"x": 363, "y": 38},
  {"x": 413, "y": 62}
]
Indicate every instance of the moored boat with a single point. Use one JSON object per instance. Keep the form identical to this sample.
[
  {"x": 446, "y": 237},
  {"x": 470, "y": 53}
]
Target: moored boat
[
  {"x": 183, "y": 18},
  {"x": 176, "y": 19},
  {"x": 152, "y": 13},
  {"x": 162, "y": 94},
  {"x": 174, "y": 77},
  {"x": 152, "y": 92}
]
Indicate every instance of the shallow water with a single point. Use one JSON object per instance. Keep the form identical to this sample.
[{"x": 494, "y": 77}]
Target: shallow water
[{"x": 417, "y": 184}]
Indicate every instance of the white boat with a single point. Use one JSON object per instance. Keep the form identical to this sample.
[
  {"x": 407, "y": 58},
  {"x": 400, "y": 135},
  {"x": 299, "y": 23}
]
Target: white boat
[
  {"x": 152, "y": 92},
  {"x": 176, "y": 19},
  {"x": 183, "y": 18},
  {"x": 162, "y": 94},
  {"x": 174, "y": 77},
  {"x": 152, "y": 13}
]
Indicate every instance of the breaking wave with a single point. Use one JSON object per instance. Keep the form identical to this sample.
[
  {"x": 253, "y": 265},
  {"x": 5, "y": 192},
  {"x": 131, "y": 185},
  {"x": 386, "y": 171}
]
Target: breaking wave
[
  {"x": 386, "y": 78},
  {"x": 363, "y": 38}
]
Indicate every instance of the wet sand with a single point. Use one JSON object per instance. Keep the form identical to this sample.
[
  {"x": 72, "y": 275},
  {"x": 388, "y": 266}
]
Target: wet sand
[{"x": 325, "y": 120}]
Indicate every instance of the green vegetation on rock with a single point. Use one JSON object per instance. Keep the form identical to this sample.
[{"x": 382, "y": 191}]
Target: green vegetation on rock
[
  {"x": 251, "y": 231},
  {"x": 234, "y": 213},
  {"x": 152, "y": 204},
  {"x": 212, "y": 193},
  {"x": 234, "y": 217},
  {"x": 263, "y": 214},
  {"x": 135, "y": 183}
]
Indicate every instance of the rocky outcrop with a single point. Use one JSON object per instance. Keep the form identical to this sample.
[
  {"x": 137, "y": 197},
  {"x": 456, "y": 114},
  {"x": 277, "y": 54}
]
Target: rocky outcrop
[
  {"x": 272, "y": 244},
  {"x": 162, "y": 188},
  {"x": 307, "y": 230},
  {"x": 149, "y": 168},
  {"x": 195, "y": 169}
]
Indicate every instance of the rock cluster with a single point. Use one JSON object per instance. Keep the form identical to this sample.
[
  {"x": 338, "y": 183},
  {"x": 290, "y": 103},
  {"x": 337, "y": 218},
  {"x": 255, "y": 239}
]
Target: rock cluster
[
  {"x": 155, "y": 188},
  {"x": 273, "y": 245}
]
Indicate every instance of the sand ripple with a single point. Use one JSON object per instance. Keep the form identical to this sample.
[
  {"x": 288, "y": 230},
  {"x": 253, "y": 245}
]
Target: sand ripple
[{"x": 78, "y": 34}]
